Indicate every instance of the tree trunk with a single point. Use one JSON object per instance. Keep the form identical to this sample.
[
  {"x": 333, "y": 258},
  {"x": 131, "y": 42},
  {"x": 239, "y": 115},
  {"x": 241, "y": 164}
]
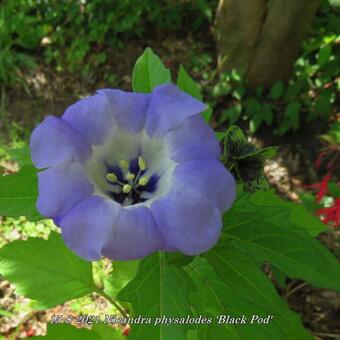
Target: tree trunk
[{"x": 261, "y": 38}]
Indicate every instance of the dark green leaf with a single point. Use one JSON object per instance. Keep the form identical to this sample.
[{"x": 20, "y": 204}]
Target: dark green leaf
[
  {"x": 277, "y": 90},
  {"x": 323, "y": 106},
  {"x": 309, "y": 202},
  {"x": 292, "y": 114},
  {"x": 178, "y": 259},
  {"x": 291, "y": 118},
  {"x": 239, "y": 92},
  {"x": 232, "y": 114},
  {"x": 267, "y": 113},
  {"x": 324, "y": 55},
  {"x": 334, "y": 189}
]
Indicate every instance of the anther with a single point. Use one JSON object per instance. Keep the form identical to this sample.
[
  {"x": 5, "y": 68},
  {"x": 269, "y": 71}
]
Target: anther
[
  {"x": 111, "y": 177},
  {"x": 143, "y": 180},
  {"x": 126, "y": 188},
  {"x": 130, "y": 176},
  {"x": 142, "y": 163},
  {"x": 124, "y": 164}
]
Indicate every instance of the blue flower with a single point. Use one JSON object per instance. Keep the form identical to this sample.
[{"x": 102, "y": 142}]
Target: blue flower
[{"x": 126, "y": 174}]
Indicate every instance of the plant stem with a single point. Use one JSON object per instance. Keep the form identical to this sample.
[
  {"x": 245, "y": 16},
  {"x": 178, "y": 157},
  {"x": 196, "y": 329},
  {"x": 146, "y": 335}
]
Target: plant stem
[{"x": 113, "y": 302}]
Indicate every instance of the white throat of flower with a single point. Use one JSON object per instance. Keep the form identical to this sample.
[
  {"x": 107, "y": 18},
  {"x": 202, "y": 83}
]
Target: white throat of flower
[{"x": 127, "y": 166}]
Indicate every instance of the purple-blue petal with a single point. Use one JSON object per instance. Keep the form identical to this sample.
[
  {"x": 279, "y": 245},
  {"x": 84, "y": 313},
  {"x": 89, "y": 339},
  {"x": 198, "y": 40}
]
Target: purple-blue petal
[
  {"x": 61, "y": 187},
  {"x": 92, "y": 117},
  {"x": 207, "y": 178},
  {"x": 54, "y": 142},
  {"x": 190, "y": 224},
  {"x": 168, "y": 108},
  {"x": 133, "y": 235},
  {"x": 85, "y": 228},
  {"x": 128, "y": 108},
  {"x": 193, "y": 139}
]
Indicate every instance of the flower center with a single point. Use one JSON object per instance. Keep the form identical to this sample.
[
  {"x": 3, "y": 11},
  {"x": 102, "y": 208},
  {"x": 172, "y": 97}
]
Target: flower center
[{"x": 129, "y": 182}]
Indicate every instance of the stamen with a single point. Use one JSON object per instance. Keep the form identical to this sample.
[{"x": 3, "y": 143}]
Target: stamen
[
  {"x": 144, "y": 180},
  {"x": 127, "y": 188},
  {"x": 130, "y": 176},
  {"x": 111, "y": 177},
  {"x": 124, "y": 164},
  {"x": 142, "y": 163}
]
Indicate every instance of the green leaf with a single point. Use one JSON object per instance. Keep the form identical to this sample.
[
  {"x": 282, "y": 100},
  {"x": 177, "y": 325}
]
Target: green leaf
[
  {"x": 267, "y": 113},
  {"x": 292, "y": 114},
  {"x": 46, "y": 271},
  {"x": 207, "y": 114},
  {"x": 178, "y": 259},
  {"x": 214, "y": 297},
  {"x": 187, "y": 84},
  {"x": 334, "y": 189},
  {"x": 277, "y": 90},
  {"x": 159, "y": 289},
  {"x": 106, "y": 332},
  {"x": 220, "y": 135},
  {"x": 323, "y": 105},
  {"x": 149, "y": 72},
  {"x": 18, "y": 194},
  {"x": 335, "y": 132},
  {"x": 291, "y": 118},
  {"x": 256, "y": 294},
  {"x": 239, "y": 92},
  {"x": 21, "y": 155},
  {"x": 232, "y": 114},
  {"x": 275, "y": 240},
  {"x": 64, "y": 331},
  {"x": 309, "y": 202},
  {"x": 324, "y": 55},
  {"x": 123, "y": 272},
  {"x": 274, "y": 209}
]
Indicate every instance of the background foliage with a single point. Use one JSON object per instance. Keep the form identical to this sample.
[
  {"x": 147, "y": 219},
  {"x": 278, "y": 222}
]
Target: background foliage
[{"x": 78, "y": 41}]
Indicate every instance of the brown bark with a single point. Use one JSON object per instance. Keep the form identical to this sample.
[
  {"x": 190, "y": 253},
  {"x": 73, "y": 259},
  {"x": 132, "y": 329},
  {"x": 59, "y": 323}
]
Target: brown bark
[{"x": 261, "y": 38}]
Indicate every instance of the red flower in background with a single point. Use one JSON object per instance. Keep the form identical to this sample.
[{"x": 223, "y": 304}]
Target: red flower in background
[
  {"x": 322, "y": 187},
  {"x": 331, "y": 214}
]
